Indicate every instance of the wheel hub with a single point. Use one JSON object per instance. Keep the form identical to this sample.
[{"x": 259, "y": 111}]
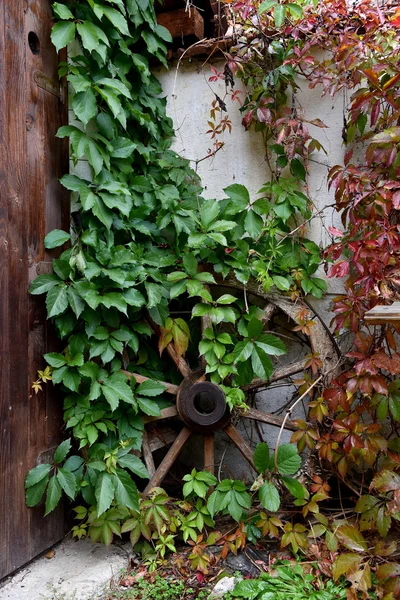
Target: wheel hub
[{"x": 201, "y": 405}]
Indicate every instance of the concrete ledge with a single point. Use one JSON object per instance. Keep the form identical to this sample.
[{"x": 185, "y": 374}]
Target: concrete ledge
[{"x": 79, "y": 570}]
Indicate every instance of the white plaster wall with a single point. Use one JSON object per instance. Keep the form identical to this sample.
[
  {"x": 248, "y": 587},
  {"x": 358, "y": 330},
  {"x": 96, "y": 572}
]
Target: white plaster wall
[{"x": 242, "y": 159}]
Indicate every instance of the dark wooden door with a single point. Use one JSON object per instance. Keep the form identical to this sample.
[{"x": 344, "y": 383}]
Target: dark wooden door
[{"x": 32, "y": 202}]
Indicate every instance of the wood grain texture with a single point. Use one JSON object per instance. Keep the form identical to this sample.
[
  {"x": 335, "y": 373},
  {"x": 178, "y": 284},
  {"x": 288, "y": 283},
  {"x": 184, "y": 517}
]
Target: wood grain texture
[
  {"x": 168, "y": 460},
  {"x": 240, "y": 443},
  {"x": 182, "y": 22},
  {"x": 32, "y": 203},
  {"x": 5, "y": 451},
  {"x": 263, "y": 417},
  {"x": 382, "y": 314}
]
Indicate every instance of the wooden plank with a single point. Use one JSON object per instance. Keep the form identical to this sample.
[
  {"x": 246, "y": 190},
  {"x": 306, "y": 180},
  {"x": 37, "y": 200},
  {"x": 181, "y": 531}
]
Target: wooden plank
[
  {"x": 168, "y": 460},
  {"x": 46, "y": 159},
  {"x": 160, "y": 437},
  {"x": 18, "y": 518},
  {"x": 383, "y": 314},
  {"x": 263, "y": 417},
  {"x": 181, "y": 23},
  {"x": 166, "y": 413},
  {"x": 31, "y": 205},
  {"x": 5, "y": 450}
]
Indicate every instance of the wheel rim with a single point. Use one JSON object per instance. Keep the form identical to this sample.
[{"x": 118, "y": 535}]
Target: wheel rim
[{"x": 218, "y": 418}]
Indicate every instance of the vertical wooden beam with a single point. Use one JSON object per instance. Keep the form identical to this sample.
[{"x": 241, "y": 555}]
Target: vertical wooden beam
[
  {"x": 31, "y": 162},
  {"x": 17, "y": 197},
  {"x": 47, "y": 161},
  {"x": 5, "y": 454}
]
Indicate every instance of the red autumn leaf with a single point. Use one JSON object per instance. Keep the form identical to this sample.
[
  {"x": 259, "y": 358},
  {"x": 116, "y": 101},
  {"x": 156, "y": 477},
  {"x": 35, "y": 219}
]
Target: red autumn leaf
[
  {"x": 396, "y": 200},
  {"x": 340, "y": 269},
  {"x": 336, "y": 232}
]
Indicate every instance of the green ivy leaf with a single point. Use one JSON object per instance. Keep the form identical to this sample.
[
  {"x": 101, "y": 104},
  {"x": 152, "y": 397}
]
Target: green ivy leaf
[
  {"x": 126, "y": 492},
  {"x": 271, "y": 344},
  {"x": 84, "y": 105},
  {"x": 279, "y": 14},
  {"x": 104, "y": 492},
  {"x": 150, "y": 388},
  {"x": 269, "y": 497},
  {"x": 36, "y": 475},
  {"x": 56, "y": 238},
  {"x": 149, "y": 407},
  {"x": 288, "y": 459},
  {"x": 295, "y": 10},
  {"x": 261, "y": 363},
  {"x": 62, "y": 11},
  {"x": 56, "y": 301},
  {"x": 239, "y": 196},
  {"x": 62, "y": 34},
  {"x": 266, "y": 5},
  {"x": 116, "y": 388},
  {"x": 54, "y": 359},
  {"x": 34, "y": 493},
  {"x": 294, "y": 487},
  {"x": 118, "y": 20},
  {"x": 67, "y": 481},
  {"x": 253, "y": 224},
  {"x": 261, "y": 457},
  {"x": 297, "y": 168},
  {"x": 43, "y": 284},
  {"x": 61, "y": 451},
  {"x": 89, "y": 35},
  {"x": 134, "y": 464},
  {"x": 53, "y": 495}
]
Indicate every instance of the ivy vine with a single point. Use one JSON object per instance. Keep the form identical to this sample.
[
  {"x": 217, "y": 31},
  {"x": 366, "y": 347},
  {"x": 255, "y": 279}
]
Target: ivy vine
[{"x": 143, "y": 240}]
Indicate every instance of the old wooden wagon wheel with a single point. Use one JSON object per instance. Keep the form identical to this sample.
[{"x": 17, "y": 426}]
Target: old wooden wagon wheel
[{"x": 201, "y": 406}]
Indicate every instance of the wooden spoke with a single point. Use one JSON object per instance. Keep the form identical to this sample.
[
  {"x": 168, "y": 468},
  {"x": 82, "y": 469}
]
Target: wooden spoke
[
  {"x": 147, "y": 455},
  {"x": 180, "y": 362},
  {"x": 166, "y": 413},
  {"x": 170, "y": 387},
  {"x": 159, "y": 437},
  {"x": 168, "y": 460},
  {"x": 209, "y": 460},
  {"x": 239, "y": 442},
  {"x": 281, "y": 373},
  {"x": 263, "y": 417}
]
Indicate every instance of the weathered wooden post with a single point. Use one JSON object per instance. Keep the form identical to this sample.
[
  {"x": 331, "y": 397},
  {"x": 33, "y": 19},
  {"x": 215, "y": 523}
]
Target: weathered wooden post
[{"x": 32, "y": 202}]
